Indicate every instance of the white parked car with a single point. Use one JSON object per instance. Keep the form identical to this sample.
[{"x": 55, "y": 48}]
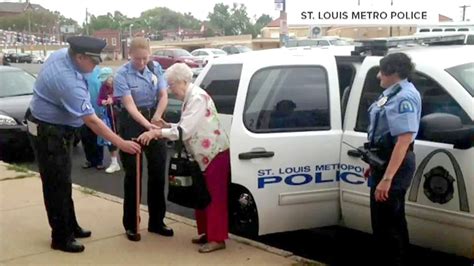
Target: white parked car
[{"x": 207, "y": 54}]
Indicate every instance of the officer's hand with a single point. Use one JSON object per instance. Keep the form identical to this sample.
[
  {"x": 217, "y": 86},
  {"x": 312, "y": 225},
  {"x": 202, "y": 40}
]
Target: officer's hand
[
  {"x": 130, "y": 147},
  {"x": 381, "y": 192},
  {"x": 148, "y": 136}
]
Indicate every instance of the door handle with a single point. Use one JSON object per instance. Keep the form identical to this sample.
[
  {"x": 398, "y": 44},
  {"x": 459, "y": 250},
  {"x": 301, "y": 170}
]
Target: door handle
[
  {"x": 354, "y": 153},
  {"x": 256, "y": 154}
]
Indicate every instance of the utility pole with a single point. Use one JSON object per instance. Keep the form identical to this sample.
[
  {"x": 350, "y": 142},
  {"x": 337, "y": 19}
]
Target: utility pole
[
  {"x": 87, "y": 22},
  {"x": 283, "y": 23},
  {"x": 391, "y": 33},
  {"x": 464, "y": 11}
]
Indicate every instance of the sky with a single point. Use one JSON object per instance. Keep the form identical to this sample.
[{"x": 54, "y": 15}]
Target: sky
[{"x": 76, "y": 9}]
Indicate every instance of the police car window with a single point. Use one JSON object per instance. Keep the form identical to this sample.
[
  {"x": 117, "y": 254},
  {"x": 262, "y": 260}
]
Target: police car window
[
  {"x": 287, "y": 99},
  {"x": 470, "y": 39},
  {"x": 434, "y": 99},
  {"x": 222, "y": 82}
]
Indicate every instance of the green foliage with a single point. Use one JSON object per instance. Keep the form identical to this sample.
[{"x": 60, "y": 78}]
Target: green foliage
[
  {"x": 40, "y": 21},
  {"x": 223, "y": 20}
]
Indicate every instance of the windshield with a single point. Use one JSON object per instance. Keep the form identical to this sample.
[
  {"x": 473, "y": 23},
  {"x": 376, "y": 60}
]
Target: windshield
[
  {"x": 181, "y": 52},
  {"x": 464, "y": 74},
  {"x": 243, "y": 49},
  {"x": 15, "y": 83},
  {"x": 219, "y": 52}
]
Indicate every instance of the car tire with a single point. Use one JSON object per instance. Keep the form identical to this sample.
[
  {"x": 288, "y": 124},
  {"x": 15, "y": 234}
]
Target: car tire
[{"x": 243, "y": 215}]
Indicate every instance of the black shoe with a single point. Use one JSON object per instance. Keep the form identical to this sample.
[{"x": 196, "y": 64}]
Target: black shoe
[
  {"x": 69, "y": 246},
  {"x": 132, "y": 236},
  {"x": 100, "y": 167},
  {"x": 81, "y": 233},
  {"x": 162, "y": 230}
]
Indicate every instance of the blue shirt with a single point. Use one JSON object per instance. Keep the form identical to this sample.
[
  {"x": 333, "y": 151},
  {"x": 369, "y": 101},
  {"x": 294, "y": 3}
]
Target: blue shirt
[
  {"x": 400, "y": 114},
  {"x": 142, "y": 87},
  {"x": 60, "y": 94}
]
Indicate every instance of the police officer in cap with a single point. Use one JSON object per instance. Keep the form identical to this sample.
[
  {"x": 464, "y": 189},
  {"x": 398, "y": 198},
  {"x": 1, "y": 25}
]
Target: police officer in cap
[
  {"x": 60, "y": 105},
  {"x": 394, "y": 123}
]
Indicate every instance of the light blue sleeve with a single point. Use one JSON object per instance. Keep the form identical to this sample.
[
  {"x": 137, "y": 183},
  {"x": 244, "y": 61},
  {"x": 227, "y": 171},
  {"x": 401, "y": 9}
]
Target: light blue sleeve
[
  {"x": 76, "y": 99},
  {"x": 402, "y": 115},
  {"x": 121, "y": 87},
  {"x": 162, "y": 84}
]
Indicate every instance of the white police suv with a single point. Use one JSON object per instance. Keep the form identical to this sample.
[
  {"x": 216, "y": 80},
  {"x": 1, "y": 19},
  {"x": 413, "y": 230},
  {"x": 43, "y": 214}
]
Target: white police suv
[{"x": 288, "y": 112}]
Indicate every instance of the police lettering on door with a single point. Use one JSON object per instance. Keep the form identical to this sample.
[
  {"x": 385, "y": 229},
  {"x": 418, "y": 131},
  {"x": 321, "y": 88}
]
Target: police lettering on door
[{"x": 303, "y": 175}]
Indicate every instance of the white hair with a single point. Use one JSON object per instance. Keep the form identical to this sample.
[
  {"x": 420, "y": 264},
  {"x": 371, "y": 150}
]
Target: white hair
[{"x": 179, "y": 72}]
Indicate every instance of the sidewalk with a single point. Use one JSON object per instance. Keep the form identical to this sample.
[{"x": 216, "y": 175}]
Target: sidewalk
[{"x": 25, "y": 233}]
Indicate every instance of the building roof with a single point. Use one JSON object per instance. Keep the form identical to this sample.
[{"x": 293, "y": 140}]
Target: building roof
[
  {"x": 14, "y": 7},
  {"x": 276, "y": 24}
]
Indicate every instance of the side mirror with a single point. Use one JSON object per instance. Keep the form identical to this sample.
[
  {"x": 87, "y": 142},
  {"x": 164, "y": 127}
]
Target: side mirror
[{"x": 447, "y": 128}]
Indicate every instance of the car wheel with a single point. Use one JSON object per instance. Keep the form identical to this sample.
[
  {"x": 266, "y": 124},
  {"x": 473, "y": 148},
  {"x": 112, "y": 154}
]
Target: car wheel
[{"x": 243, "y": 215}]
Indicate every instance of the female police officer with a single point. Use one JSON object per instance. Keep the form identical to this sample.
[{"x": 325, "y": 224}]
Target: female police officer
[
  {"x": 60, "y": 105},
  {"x": 143, "y": 94},
  {"x": 394, "y": 122}
]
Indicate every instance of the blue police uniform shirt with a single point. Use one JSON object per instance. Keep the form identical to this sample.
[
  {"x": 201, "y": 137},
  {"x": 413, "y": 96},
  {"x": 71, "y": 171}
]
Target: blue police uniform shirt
[
  {"x": 60, "y": 94},
  {"x": 400, "y": 114},
  {"x": 142, "y": 87}
]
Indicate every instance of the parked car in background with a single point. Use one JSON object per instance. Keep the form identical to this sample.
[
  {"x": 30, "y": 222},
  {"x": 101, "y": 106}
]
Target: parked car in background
[
  {"x": 335, "y": 44},
  {"x": 25, "y": 58},
  {"x": 37, "y": 59},
  {"x": 19, "y": 58},
  {"x": 235, "y": 49},
  {"x": 170, "y": 56},
  {"x": 16, "y": 90},
  {"x": 207, "y": 54}
]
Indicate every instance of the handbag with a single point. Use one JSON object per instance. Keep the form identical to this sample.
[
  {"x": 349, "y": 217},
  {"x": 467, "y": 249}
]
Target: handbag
[
  {"x": 105, "y": 119},
  {"x": 187, "y": 186}
]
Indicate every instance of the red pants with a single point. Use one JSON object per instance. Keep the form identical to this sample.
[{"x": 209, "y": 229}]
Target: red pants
[{"x": 213, "y": 221}]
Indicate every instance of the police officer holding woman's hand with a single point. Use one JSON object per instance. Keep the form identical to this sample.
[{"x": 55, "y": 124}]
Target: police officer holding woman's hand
[
  {"x": 60, "y": 105},
  {"x": 143, "y": 92},
  {"x": 394, "y": 123}
]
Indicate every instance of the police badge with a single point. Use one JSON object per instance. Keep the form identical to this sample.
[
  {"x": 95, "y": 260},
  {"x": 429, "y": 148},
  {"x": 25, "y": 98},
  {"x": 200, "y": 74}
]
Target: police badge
[{"x": 382, "y": 101}]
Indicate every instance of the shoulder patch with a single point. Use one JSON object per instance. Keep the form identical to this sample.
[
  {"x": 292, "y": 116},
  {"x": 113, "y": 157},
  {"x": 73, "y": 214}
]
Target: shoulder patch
[{"x": 405, "y": 106}]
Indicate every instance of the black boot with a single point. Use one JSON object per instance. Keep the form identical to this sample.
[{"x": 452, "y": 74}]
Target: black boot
[
  {"x": 69, "y": 246},
  {"x": 132, "y": 235},
  {"x": 81, "y": 233}
]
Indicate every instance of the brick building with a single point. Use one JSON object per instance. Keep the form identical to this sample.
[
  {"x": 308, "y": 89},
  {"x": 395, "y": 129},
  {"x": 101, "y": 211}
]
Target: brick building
[{"x": 113, "y": 50}]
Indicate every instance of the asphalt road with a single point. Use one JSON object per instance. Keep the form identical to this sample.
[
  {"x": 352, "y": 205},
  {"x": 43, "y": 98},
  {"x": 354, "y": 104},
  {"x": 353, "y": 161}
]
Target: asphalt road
[{"x": 333, "y": 245}]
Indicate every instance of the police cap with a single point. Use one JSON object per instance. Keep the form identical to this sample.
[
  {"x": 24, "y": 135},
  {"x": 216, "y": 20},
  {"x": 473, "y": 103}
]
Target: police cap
[{"x": 88, "y": 46}]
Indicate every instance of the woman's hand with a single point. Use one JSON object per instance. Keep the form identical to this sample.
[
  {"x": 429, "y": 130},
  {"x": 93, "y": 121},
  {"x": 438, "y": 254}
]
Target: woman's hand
[
  {"x": 110, "y": 100},
  {"x": 148, "y": 136},
  {"x": 160, "y": 123},
  {"x": 382, "y": 190}
]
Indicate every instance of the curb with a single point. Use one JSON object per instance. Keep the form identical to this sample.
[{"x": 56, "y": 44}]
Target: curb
[{"x": 190, "y": 222}]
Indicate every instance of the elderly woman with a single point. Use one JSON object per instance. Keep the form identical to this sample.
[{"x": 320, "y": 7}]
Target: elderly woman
[{"x": 207, "y": 142}]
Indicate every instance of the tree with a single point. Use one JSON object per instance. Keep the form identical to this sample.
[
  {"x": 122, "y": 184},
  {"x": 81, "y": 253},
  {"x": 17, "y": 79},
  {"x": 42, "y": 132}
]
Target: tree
[
  {"x": 261, "y": 22},
  {"x": 240, "y": 20},
  {"x": 220, "y": 20}
]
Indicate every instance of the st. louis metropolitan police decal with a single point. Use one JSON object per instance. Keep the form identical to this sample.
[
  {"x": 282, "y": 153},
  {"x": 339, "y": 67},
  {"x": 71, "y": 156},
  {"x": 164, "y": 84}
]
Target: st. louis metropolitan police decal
[{"x": 405, "y": 106}]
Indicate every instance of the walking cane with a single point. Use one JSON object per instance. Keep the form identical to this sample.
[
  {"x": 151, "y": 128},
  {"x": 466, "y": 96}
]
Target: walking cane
[
  {"x": 112, "y": 117},
  {"x": 138, "y": 174}
]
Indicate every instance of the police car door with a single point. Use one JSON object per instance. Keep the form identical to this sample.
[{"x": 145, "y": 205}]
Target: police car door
[{"x": 284, "y": 139}]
